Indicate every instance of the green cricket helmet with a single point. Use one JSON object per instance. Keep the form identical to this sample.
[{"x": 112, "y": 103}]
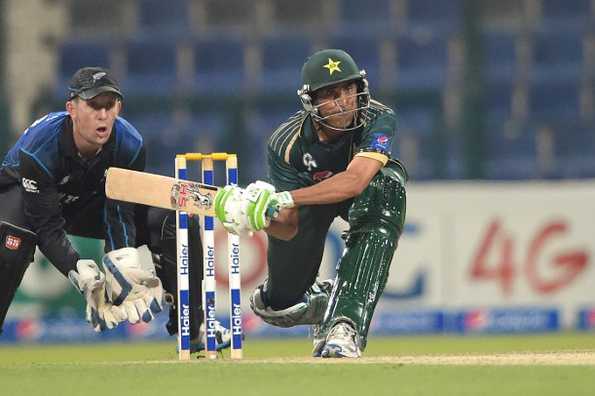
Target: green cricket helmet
[{"x": 326, "y": 68}]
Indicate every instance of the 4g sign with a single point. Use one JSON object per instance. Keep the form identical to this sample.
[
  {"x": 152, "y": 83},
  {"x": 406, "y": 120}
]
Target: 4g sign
[{"x": 546, "y": 266}]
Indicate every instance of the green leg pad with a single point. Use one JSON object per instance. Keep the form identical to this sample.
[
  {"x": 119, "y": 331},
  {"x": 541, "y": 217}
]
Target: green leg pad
[{"x": 376, "y": 220}]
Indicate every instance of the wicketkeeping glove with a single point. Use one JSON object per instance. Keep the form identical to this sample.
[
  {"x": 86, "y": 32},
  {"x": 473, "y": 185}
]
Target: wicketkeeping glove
[
  {"x": 90, "y": 281},
  {"x": 132, "y": 284}
]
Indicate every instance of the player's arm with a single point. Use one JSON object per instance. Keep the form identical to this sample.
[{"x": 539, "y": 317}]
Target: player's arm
[
  {"x": 374, "y": 151},
  {"x": 340, "y": 187},
  {"x": 41, "y": 202}
]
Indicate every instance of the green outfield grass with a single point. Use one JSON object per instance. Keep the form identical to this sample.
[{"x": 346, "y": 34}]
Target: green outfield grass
[{"x": 392, "y": 366}]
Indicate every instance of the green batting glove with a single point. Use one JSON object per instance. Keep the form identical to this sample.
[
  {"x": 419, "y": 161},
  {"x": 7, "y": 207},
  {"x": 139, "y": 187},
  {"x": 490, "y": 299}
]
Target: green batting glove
[
  {"x": 221, "y": 199},
  {"x": 259, "y": 199},
  {"x": 284, "y": 200},
  {"x": 228, "y": 209}
]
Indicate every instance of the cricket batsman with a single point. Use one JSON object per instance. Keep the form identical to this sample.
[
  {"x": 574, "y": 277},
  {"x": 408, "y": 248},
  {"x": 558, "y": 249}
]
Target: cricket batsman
[{"x": 332, "y": 158}]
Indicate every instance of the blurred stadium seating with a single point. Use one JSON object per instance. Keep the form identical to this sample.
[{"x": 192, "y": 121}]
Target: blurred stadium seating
[
  {"x": 501, "y": 63},
  {"x": 151, "y": 66},
  {"x": 164, "y": 17},
  {"x": 564, "y": 14},
  {"x": 511, "y": 152},
  {"x": 422, "y": 61},
  {"x": 535, "y": 76},
  {"x": 557, "y": 56},
  {"x": 374, "y": 16},
  {"x": 219, "y": 65},
  {"x": 282, "y": 56},
  {"x": 435, "y": 16}
]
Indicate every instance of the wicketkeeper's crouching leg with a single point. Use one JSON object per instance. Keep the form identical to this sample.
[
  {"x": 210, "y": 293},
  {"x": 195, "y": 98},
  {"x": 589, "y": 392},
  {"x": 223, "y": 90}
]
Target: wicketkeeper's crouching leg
[
  {"x": 16, "y": 253},
  {"x": 376, "y": 221}
]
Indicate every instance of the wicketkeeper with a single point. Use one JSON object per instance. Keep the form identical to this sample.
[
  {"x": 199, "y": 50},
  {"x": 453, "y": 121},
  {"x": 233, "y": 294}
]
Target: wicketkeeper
[
  {"x": 52, "y": 183},
  {"x": 333, "y": 158}
]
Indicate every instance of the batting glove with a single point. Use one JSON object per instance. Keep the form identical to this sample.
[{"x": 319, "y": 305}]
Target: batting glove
[
  {"x": 228, "y": 209},
  {"x": 259, "y": 205}
]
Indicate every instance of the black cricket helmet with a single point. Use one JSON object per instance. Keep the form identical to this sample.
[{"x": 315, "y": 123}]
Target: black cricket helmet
[{"x": 326, "y": 68}]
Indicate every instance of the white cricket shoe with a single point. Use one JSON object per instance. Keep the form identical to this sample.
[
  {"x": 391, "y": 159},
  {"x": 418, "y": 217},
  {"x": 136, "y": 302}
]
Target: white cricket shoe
[{"x": 341, "y": 341}]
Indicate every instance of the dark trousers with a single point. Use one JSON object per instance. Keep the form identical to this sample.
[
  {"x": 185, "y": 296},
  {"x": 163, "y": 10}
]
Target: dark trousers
[{"x": 294, "y": 264}]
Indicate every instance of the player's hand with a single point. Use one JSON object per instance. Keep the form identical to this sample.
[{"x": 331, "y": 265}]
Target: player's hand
[
  {"x": 283, "y": 200},
  {"x": 250, "y": 209},
  {"x": 132, "y": 284},
  {"x": 228, "y": 209},
  {"x": 90, "y": 281},
  {"x": 262, "y": 204}
]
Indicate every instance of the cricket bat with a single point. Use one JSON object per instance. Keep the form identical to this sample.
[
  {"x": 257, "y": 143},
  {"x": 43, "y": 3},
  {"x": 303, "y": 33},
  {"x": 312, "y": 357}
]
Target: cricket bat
[{"x": 160, "y": 191}]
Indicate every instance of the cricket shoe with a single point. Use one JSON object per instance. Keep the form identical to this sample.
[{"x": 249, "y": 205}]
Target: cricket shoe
[
  {"x": 317, "y": 342},
  {"x": 341, "y": 341},
  {"x": 318, "y": 339},
  {"x": 222, "y": 338}
]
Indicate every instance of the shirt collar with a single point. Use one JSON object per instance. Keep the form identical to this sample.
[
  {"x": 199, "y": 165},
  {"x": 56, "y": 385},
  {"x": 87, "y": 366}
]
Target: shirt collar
[
  {"x": 308, "y": 131},
  {"x": 67, "y": 140}
]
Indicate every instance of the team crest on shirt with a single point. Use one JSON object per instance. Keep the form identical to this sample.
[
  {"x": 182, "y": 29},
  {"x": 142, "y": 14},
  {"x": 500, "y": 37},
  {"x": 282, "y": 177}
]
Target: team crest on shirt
[{"x": 380, "y": 142}]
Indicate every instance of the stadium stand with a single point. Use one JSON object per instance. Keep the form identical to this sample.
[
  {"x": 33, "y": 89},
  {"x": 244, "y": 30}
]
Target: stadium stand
[{"x": 536, "y": 77}]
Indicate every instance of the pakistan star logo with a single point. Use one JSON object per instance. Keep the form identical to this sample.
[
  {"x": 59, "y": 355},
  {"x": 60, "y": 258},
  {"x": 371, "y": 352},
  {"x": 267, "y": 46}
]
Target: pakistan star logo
[{"x": 332, "y": 66}]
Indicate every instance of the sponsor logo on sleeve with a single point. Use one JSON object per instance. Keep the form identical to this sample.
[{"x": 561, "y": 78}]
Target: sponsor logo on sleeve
[{"x": 381, "y": 142}]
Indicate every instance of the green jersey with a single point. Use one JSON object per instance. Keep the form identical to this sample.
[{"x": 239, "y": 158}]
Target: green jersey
[{"x": 297, "y": 158}]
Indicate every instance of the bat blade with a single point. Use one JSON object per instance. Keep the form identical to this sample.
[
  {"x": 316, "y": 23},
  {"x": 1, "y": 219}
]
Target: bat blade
[{"x": 160, "y": 191}]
